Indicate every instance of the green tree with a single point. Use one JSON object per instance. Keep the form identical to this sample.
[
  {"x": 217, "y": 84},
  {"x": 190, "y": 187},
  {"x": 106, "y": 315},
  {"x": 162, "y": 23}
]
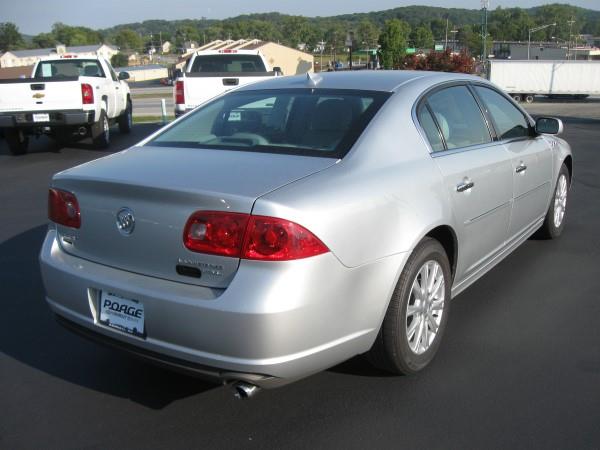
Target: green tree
[
  {"x": 438, "y": 28},
  {"x": 10, "y": 38},
  {"x": 44, "y": 40},
  {"x": 422, "y": 37},
  {"x": 119, "y": 60},
  {"x": 368, "y": 33},
  {"x": 68, "y": 35},
  {"x": 393, "y": 41},
  {"x": 128, "y": 40}
]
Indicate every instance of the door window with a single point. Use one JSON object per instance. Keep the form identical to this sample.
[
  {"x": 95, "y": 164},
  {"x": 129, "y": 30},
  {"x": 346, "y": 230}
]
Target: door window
[
  {"x": 508, "y": 121},
  {"x": 458, "y": 117},
  {"x": 430, "y": 128}
]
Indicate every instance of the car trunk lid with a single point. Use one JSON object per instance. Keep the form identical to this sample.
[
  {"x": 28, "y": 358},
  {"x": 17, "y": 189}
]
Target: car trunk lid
[{"x": 161, "y": 187}]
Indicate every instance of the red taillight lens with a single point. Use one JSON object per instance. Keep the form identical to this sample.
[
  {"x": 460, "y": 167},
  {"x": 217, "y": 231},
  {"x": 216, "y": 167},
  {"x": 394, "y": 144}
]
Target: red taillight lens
[
  {"x": 63, "y": 208},
  {"x": 179, "y": 94},
  {"x": 87, "y": 94},
  {"x": 217, "y": 233},
  {"x": 273, "y": 239},
  {"x": 249, "y": 237}
]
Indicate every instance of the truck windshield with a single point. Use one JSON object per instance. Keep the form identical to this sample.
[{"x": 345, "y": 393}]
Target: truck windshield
[
  {"x": 69, "y": 68},
  {"x": 312, "y": 122},
  {"x": 228, "y": 63}
]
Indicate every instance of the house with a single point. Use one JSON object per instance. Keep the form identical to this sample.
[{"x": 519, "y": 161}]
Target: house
[
  {"x": 17, "y": 58},
  {"x": 166, "y": 47},
  {"x": 189, "y": 47}
]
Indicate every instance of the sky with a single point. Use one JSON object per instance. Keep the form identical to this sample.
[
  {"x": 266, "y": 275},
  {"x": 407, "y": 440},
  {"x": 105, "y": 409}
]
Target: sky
[{"x": 37, "y": 16}]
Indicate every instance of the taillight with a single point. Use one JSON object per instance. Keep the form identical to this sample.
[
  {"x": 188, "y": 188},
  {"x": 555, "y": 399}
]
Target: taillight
[
  {"x": 87, "y": 94},
  {"x": 179, "y": 94},
  {"x": 217, "y": 233},
  {"x": 273, "y": 239},
  {"x": 63, "y": 208},
  {"x": 249, "y": 237}
]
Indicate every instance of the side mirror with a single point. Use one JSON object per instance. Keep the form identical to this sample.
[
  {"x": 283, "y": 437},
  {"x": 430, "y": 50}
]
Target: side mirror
[
  {"x": 123, "y": 75},
  {"x": 278, "y": 70},
  {"x": 548, "y": 125},
  {"x": 178, "y": 73}
]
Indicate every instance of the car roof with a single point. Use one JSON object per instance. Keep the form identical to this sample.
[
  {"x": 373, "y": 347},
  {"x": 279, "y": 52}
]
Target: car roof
[{"x": 370, "y": 80}]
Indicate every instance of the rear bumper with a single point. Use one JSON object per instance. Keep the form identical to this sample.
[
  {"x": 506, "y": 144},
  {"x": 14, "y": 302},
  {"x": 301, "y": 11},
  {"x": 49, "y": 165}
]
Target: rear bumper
[
  {"x": 57, "y": 118},
  {"x": 276, "y": 322}
]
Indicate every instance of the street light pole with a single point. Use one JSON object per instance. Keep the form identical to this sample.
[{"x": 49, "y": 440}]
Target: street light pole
[{"x": 533, "y": 30}]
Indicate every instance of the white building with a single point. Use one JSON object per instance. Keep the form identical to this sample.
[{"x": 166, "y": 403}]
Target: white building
[
  {"x": 17, "y": 58},
  {"x": 166, "y": 47}
]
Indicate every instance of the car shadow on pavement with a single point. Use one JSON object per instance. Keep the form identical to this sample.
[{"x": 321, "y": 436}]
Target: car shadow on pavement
[
  {"x": 119, "y": 141},
  {"x": 30, "y": 335}
]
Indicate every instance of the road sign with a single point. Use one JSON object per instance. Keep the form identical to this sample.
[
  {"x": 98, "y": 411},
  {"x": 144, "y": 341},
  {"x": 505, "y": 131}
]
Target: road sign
[
  {"x": 439, "y": 47},
  {"x": 411, "y": 51}
]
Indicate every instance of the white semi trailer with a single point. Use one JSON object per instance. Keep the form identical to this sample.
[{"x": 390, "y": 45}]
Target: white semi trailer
[{"x": 524, "y": 79}]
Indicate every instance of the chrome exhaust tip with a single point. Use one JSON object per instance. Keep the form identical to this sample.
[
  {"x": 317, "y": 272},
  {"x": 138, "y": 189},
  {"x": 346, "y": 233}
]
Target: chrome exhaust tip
[
  {"x": 82, "y": 131},
  {"x": 243, "y": 390}
]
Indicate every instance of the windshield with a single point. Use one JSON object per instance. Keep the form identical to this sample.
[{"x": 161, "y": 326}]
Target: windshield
[
  {"x": 228, "y": 63},
  {"x": 69, "y": 68},
  {"x": 314, "y": 122}
]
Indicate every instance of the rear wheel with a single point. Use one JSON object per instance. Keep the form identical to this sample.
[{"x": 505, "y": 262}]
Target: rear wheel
[
  {"x": 529, "y": 98},
  {"x": 517, "y": 97},
  {"x": 101, "y": 131},
  {"x": 17, "y": 141},
  {"x": 125, "y": 120},
  {"x": 417, "y": 314},
  {"x": 554, "y": 223}
]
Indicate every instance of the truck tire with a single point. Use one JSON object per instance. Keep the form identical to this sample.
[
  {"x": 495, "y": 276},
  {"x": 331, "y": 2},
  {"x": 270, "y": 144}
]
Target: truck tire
[
  {"x": 516, "y": 97},
  {"x": 529, "y": 98},
  {"x": 101, "y": 131},
  {"x": 125, "y": 120},
  {"x": 17, "y": 141}
]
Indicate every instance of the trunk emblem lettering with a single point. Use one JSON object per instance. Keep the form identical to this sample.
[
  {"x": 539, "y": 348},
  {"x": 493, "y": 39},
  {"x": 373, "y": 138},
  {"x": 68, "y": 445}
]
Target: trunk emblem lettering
[{"x": 125, "y": 221}]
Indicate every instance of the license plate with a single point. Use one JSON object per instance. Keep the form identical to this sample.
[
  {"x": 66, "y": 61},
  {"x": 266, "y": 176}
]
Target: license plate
[
  {"x": 41, "y": 117},
  {"x": 122, "y": 313}
]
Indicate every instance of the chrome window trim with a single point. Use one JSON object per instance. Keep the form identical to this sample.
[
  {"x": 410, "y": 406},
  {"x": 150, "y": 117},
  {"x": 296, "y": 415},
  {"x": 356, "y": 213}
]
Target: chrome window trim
[{"x": 450, "y": 151}]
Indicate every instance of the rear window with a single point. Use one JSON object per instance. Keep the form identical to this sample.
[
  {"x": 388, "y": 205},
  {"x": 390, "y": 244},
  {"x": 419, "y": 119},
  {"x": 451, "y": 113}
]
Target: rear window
[
  {"x": 313, "y": 122},
  {"x": 228, "y": 63},
  {"x": 69, "y": 68}
]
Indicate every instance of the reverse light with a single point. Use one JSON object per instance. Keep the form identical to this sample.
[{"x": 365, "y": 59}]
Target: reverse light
[
  {"x": 87, "y": 94},
  {"x": 179, "y": 94},
  {"x": 249, "y": 237},
  {"x": 63, "y": 208}
]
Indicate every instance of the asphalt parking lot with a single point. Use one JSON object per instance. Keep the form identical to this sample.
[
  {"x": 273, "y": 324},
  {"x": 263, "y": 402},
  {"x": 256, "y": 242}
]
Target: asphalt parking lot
[{"x": 519, "y": 366}]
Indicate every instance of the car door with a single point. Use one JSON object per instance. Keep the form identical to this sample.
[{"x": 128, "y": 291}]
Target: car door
[
  {"x": 477, "y": 174},
  {"x": 531, "y": 160}
]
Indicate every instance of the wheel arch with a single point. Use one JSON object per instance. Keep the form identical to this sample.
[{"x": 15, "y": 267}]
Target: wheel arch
[
  {"x": 568, "y": 161},
  {"x": 446, "y": 236}
]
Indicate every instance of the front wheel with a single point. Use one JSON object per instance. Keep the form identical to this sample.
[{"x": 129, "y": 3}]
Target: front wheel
[
  {"x": 417, "y": 314},
  {"x": 554, "y": 223},
  {"x": 101, "y": 131},
  {"x": 125, "y": 120}
]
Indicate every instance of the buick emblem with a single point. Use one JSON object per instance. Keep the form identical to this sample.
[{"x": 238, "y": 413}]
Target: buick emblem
[{"x": 125, "y": 221}]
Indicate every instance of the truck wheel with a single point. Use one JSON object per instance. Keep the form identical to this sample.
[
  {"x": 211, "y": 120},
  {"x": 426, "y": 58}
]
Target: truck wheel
[
  {"x": 516, "y": 97},
  {"x": 529, "y": 98},
  {"x": 101, "y": 131},
  {"x": 17, "y": 141},
  {"x": 125, "y": 120}
]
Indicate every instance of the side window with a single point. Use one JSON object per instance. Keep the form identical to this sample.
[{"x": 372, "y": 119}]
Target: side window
[
  {"x": 113, "y": 75},
  {"x": 430, "y": 128},
  {"x": 459, "y": 117},
  {"x": 508, "y": 120}
]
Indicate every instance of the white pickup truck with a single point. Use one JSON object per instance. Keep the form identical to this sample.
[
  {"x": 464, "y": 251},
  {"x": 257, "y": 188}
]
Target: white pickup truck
[
  {"x": 68, "y": 98},
  {"x": 211, "y": 72}
]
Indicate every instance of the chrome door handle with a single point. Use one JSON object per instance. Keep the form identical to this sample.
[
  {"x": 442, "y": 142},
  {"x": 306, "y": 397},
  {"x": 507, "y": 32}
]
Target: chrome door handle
[
  {"x": 521, "y": 168},
  {"x": 464, "y": 186}
]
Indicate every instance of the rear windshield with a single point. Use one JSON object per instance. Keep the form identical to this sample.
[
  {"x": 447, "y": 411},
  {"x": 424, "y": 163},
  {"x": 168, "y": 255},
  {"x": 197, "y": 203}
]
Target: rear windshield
[
  {"x": 313, "y": 122},
  {"x": 69, "y": 68},
  {"x": 227, "y": 63}
]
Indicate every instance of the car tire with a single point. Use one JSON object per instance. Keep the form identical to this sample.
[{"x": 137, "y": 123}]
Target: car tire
[
  {"x": 405, "y": 344},
  {"x": 101, "y": 131},
  {"x": 17, "y": 141},
  {"x": 554, "y": 222},
  {"x": 126, "y": 119}
]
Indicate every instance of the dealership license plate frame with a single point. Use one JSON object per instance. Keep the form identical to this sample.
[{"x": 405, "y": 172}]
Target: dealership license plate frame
[
  {"x": 126, "y": 317},
  {"x": 41, "y": 117}
]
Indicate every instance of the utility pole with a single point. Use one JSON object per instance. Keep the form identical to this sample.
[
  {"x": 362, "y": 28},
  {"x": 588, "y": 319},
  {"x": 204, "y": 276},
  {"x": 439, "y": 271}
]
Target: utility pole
[
  {"x": 570, "y": 22},
  {"x": 485, "y": 4},
  {"x": 446, "y": 46}
]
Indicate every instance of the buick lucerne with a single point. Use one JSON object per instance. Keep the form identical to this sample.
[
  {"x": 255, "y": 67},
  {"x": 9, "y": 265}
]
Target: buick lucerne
[{"x": 289, "y": 225}]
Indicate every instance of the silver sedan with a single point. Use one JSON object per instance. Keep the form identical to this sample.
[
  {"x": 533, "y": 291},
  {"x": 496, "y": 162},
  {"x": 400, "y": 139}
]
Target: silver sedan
[{"x": 289, "y": 225}]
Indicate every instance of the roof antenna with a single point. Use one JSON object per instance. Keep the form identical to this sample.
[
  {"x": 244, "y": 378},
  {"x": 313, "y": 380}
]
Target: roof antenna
[{"x": 313, "y": 79}]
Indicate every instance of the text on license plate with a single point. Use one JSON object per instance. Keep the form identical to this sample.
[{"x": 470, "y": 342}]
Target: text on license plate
[
  {"x": 42, "y": 117},
  {"x": 122, "y": 313}
]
